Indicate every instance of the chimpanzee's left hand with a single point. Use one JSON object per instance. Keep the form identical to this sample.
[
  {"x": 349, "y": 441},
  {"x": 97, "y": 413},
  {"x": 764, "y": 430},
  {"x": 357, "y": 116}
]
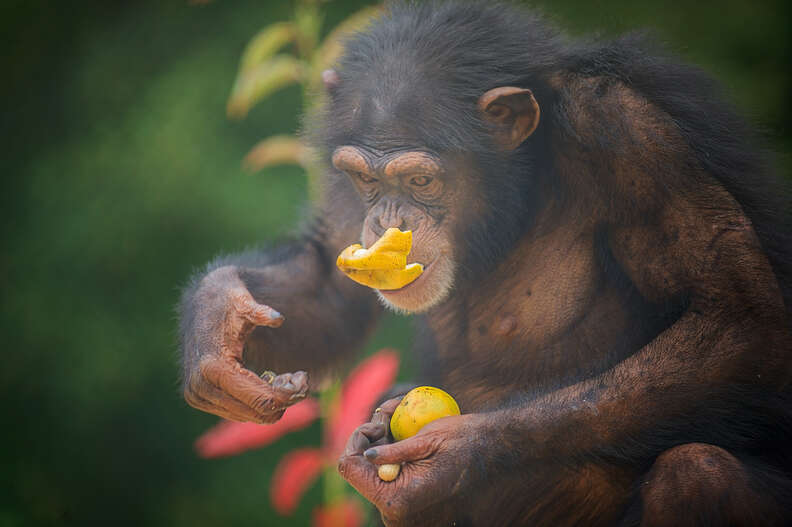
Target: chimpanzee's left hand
[{"x": 437, "y": 471}]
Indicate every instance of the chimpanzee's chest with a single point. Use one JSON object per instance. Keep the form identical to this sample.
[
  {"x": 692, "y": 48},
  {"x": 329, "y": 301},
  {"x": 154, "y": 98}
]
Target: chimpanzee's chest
[
  {"x": 536, "y": 295},
  {"x": 547, "y": 316}
]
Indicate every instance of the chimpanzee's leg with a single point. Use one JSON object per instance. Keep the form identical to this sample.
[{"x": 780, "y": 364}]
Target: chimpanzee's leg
[{"x": 703, "y": 485}]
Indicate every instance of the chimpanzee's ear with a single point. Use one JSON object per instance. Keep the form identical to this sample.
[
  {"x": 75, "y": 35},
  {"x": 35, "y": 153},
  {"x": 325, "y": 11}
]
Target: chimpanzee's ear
[
  {"x": 330, "y": 80},
  {"x": 514, "y": 111}
]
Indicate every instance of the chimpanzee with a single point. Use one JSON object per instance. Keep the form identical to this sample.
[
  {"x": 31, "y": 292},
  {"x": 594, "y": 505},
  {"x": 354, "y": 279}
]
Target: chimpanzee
[{"x": 606, "y": 288}]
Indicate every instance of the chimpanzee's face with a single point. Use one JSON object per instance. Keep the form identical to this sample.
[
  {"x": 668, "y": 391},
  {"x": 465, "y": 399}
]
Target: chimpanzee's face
[
  {"x": 415, "y": 189},
  {"x": 409, "y": 189}
]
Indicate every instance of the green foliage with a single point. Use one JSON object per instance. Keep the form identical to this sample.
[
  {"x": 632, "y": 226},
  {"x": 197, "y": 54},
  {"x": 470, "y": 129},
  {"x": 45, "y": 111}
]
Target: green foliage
[
  {"x": 122, "y": 175},
  {"x": 266, "y": 43},
  {"x": 261, "y": 75},
  {"x": 258, "y": 82}
]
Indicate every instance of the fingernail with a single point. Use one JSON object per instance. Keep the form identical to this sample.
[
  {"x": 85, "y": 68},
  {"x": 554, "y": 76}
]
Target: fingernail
[
  {"x": 371, "y": 453},
  {"x": 275, "y": 314}
]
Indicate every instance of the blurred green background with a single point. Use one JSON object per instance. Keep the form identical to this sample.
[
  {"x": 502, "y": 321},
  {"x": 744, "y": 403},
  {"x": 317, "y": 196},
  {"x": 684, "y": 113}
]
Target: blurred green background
[{"x": 122, "y": 175}]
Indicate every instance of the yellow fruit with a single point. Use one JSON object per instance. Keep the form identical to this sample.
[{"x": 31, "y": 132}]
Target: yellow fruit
[
  {"x": 388, "y": 471},
  {"x": 389, "y": 252},
  {"x": 385, "y": 279},
  {"x": 420, "y": 407},
  {"x": 384, "y": 264}
]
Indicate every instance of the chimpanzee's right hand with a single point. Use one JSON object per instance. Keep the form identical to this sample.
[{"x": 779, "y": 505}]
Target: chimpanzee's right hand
[{"x": 225, "y": 314}]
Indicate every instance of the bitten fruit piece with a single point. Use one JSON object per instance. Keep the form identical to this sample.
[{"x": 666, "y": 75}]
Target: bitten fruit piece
[
  {"x": 388, "y": 471},
  {"x": 384, "y": 264}
]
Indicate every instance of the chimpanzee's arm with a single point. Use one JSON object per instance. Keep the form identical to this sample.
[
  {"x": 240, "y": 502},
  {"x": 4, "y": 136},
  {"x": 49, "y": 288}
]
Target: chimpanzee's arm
[
  {"x": 713, "y": 375},
  {"x": 315, "y": 316}
]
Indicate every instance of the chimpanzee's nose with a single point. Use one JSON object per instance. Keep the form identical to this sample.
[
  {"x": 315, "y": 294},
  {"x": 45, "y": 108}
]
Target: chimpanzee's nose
[
  {"x": 382, "y": 223},
  {"x": 389, "y": 215}
]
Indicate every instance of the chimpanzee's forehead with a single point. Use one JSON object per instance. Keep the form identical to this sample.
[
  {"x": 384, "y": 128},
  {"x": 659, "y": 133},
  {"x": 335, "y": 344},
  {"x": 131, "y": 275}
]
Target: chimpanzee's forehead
[
  {"x": 386, "y": 150},
  {"x": 398, "y": 116},
  {"x": 415, "y": 75},
  {"x": 380, "y": 127}
]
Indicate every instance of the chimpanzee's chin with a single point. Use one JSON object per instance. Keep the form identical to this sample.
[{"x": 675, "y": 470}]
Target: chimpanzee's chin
[{"x": 427, "y": 291}]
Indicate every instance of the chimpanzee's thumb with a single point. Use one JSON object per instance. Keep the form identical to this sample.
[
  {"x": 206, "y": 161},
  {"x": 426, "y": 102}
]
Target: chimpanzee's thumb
[{"x": 412, "y": 449}]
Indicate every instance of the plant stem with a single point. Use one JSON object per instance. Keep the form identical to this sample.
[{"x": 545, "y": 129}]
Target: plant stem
[{"x": 333, "y": 487}]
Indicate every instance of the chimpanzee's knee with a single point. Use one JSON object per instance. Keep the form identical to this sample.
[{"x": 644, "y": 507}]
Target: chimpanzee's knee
[{"x": 703, "y": 485}]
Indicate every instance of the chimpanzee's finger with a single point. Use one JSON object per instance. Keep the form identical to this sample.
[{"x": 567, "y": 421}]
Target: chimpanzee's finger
[
  {"x": 242, "y": 317},
  {"x": 380, "y": 417},
  {"x": 412, "y": 449},
  {"x": 389, "y": 406},
  {"x": 247, "y": 387},
  {"x": 228, "y": 407},
  {"x": 362, "y": 475},
  {"x": 363, "y": 437},
  {"x": 384, "y": 412},
  {"x": 296, "y": 383},
  {"x": 258, "y": 314},
  {"x": 392, "y": 499},
  {"x": 196, "y": 401},
  {"x": 229, "y": 416}
]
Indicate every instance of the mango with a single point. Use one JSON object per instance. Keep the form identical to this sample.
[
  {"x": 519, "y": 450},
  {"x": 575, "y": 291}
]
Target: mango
[
  {"x": 419, "y": 407},
  {"x": 384, "y": 264}
]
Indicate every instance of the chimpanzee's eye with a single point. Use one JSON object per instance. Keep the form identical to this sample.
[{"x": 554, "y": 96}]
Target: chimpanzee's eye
[
  {"x": 420, "y": 181},
  {"x": 365, "y": 178}
]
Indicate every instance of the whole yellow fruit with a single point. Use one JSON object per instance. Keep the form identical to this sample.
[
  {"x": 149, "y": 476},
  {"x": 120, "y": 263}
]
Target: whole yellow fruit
[{"x": 419, "y": 407}]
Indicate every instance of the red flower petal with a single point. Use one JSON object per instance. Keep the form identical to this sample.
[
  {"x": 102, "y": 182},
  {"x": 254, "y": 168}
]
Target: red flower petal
[
  {"x": 293, "y": 475},
  {"x": 362, "y": 389},
  {"x": 347, "y": 513},
  {"x": 229, "y": 438}
]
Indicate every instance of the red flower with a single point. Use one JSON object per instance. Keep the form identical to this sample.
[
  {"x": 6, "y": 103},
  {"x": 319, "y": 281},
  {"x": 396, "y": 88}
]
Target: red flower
[
  {"x": 347, "y": 513},
  {"x": 297, "y": 470},
  {"x": 229, "y": 437},
  {"x": 294, "y": 474},
  {"x": 362, "y": 389}
]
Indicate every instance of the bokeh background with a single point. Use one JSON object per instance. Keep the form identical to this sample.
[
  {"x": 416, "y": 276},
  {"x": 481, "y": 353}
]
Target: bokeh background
[{"x": 122, "y": 175}]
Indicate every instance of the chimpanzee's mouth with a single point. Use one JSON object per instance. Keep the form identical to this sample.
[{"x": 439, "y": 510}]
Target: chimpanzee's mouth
[{"x": 425, "y": 272}]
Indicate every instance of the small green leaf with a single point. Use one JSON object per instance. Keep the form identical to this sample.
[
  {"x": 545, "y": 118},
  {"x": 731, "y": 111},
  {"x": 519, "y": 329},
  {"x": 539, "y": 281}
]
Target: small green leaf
[
  {"x": 266, "y": 43},
  {"x": 277, "y": 150},
  {"x": 253, "y": 85},
  {"x": 308, "y": 21}
]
